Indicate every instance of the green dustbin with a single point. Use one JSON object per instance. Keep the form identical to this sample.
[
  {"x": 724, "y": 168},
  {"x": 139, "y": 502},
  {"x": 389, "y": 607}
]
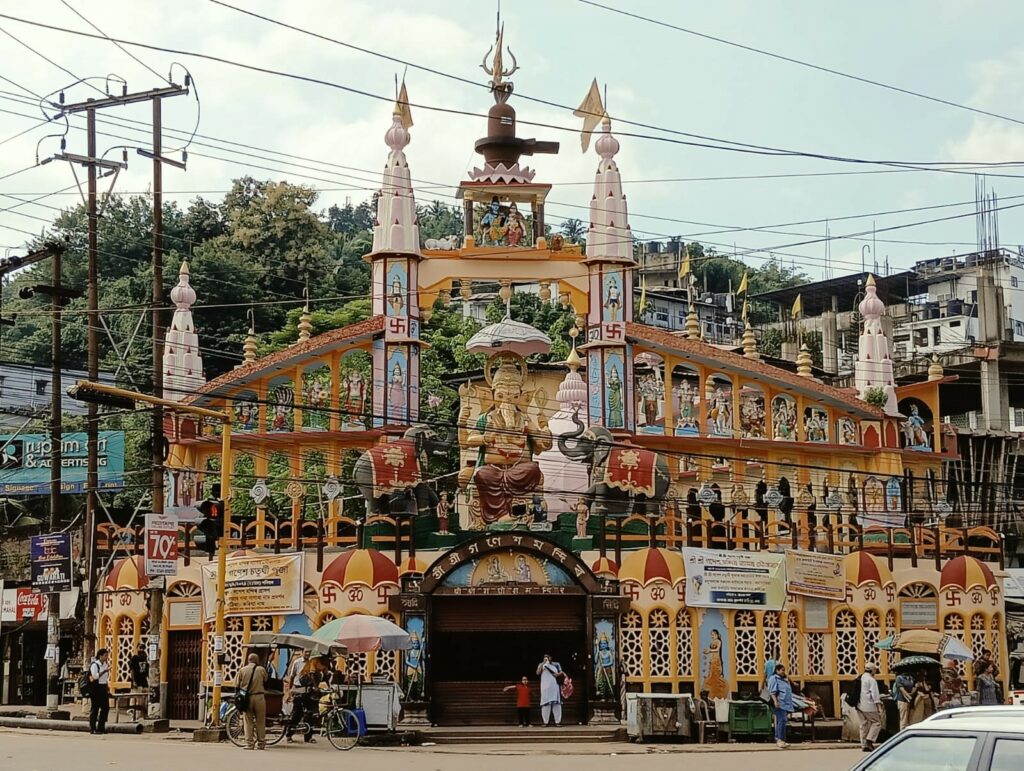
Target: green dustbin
[{"x": 749, "y": 718}]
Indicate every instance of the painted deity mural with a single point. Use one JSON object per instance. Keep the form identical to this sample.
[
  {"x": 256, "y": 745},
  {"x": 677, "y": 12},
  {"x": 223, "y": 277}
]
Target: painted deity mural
[
  {"x": 316, "y": 398},
  {"x": 752, "y": 413},
  {"x": 354, "y": 373},
  {"x": 686, "y": 401},
  {"x": 397, "y": 373},
  {"x": 604, "y": 658},
  {"x": 614, "y": 395},
  {"x": 503, "y": 224},
  {"x": 397, "y": 283},
  {"x": 784, "y": 418},
  {"x": 815, "y": 424},
  {"x": 649, "y": 389},
  {"x": 846, "y": 431},
  {"x": 714, "y": 655},
  {"x": 718, "y": 405},
  {"x": 415, "y": 658},
  {"x": 246, "y": 412},
  {"x": 281, "y": 405},
  {"x": 611, "y": 309},
  {"x": 504, "y": 569}
]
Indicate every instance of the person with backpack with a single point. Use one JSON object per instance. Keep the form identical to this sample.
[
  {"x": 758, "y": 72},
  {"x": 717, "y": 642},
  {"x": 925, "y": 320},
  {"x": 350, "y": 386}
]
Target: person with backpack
[
  {"x": 99, "y": 692},
  {"x": 251, "y": 701}
]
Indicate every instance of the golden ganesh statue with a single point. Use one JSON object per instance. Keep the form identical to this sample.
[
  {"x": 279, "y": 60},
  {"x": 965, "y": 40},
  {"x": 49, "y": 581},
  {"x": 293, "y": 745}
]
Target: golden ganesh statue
[{"x": 507, "y": 439}]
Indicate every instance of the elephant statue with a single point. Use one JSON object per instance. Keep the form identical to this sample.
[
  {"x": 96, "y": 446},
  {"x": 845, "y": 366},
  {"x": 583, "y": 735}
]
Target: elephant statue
[
  {"x": 392, "y": 476},
  {"x": 624, "y": 479}
]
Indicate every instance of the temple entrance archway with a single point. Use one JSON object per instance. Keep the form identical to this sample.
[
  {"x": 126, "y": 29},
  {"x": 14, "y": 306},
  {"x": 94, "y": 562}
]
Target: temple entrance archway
[{"x": 495, "y": 606}]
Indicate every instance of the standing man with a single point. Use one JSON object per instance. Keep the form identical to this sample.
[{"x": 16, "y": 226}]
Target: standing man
[
  {"x": 903, "y": 692},
  {"x": 869, "y": 708},
  {"x": 252, "y": 678},
  {"x": 99, "y": 692},
  {"x": 781, "y": 692}
]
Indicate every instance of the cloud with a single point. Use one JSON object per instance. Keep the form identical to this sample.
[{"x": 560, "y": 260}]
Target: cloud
[{"x": 998, "y": 82}]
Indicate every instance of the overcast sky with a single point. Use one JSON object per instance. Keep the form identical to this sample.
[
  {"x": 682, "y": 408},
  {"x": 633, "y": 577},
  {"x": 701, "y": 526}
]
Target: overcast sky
[{"x": 965, "y": 51}]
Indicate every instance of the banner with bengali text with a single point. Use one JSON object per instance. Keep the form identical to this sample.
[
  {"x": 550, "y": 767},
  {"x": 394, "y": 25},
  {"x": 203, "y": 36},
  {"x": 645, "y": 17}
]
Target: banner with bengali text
[
  {"x": 734, "y": 579},
  {"x": 256, "y": 585},
  {"x": 813, "y": 574}
]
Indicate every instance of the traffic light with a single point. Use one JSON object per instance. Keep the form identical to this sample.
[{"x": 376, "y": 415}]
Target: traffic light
[{"x": 211, "y": 524}]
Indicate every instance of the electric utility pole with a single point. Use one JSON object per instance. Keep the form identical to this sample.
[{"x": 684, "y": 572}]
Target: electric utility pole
[{"x": 92, "y": 163}]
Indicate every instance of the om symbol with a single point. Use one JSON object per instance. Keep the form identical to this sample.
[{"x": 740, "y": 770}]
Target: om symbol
[{"x": 355, "y": 594}]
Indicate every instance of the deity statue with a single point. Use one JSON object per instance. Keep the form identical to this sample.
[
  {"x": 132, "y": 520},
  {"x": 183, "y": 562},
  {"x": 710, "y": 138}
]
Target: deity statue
[
  {"x": 914, "y": 429},
  {"x": 396, "y": 300},
  {"x": 396, "y": 393},
  {"x": 614, "y": 299},
  {"x": 508, "y": 439},
  {"x": 355, "y": 399},
  {"x": 582, "y": 517},
  {"x": 615, "y": 414},
  {"x": 444, "y": 512},
  {"x": 516, "y": 226}
]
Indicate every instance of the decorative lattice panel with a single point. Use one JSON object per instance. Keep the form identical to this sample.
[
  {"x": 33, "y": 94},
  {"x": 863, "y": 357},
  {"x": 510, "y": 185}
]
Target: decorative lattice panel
[
  {"x": 386, "y": 662},
  {"x": 234, "y": 639},
  {"x": 631, "y": 643},
  {"x": 994, "y": 636},
  {"x": 125, "y": 649},
  {"x": 872, "y": 636},
  {"x": 356, "y": 664},
  {"x": 953, "y": 625},
  {"x": 745, "y": 633},
  {"x": 979, "y": 637},
  {"x": 658, "y": 643},
  {"x": 684, "y": 644},
  {"x": 815, "y": 653},
  {"x": 793, "y": 643},
  {"x": 846, "y": 643}
]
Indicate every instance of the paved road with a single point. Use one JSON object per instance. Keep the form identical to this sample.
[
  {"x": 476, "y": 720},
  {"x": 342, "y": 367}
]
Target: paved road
[{"x": 59, "y": 750}]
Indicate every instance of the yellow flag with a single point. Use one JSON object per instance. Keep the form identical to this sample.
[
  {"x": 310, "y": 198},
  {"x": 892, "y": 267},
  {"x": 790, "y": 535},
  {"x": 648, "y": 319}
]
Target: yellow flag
[
  {"x": 643, "y": 294},
  {"x": 684, "y": 266},
  {"x": 403, "y": 106},
  {"x": 743, "y": 284},
  {"x": 591, "y": 110},
  {"x": 798, "y": 307}
]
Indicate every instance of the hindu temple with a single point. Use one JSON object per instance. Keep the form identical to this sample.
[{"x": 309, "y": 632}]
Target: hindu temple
[{"x": 588, "y": 498}]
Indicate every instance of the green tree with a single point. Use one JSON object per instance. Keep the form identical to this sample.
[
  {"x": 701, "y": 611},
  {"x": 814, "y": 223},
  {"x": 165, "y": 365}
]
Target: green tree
[{"x": 574, "y": 230}]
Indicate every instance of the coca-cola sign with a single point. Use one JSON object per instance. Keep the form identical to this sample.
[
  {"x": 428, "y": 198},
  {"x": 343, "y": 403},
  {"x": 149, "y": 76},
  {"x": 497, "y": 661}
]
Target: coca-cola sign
[{"x": 22, "y": 604}]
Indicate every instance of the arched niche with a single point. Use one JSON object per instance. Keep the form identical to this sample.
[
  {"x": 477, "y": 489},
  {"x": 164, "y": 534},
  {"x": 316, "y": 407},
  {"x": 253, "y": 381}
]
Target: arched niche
[
  {"x": 718, "y": 405},
  {"x": 245, "y": 411},
  {"x": 685, "y": 401},
  {"x": 846, "y": 431},
  {"x": 649, "y": 390},
  {"x": 753, "y": 412},
  {"x": 316, "y": 398},
  {"x": 355, "y": 373},
  {"x": 281, "y": 404},
  {"x": 918, "y": 426},
  {"x": 816, "y": 423},
  {"x": 784, "y": 418}
]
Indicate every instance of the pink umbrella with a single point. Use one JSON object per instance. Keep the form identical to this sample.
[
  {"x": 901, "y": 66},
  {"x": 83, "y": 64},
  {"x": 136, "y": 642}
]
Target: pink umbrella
[{"x": 362, "y": 634}]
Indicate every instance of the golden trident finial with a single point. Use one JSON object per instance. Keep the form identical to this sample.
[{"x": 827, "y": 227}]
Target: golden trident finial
[{"x": 497, "y": 69}]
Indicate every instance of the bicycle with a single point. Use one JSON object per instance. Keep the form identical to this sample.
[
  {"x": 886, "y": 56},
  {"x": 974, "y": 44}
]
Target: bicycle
[
  {"x": 234, "y": 726},
  {"x": 338, "y": 723}
]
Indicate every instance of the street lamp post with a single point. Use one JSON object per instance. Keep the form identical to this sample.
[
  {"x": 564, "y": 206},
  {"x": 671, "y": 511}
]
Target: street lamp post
[{"x": 112, "y": 396}]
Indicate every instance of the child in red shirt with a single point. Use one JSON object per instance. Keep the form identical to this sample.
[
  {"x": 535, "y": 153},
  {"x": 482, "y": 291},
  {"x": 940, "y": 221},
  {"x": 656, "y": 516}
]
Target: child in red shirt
[{"x": 522, "y": 689}]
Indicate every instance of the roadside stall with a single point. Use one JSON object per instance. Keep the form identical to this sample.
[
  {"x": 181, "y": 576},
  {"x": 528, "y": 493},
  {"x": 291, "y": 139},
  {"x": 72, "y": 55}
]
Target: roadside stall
[{"x": 380, "y": 699}]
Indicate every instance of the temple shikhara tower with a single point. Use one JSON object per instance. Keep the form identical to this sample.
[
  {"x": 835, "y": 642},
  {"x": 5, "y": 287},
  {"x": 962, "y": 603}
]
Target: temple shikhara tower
[{"x": 562, "y": 506}]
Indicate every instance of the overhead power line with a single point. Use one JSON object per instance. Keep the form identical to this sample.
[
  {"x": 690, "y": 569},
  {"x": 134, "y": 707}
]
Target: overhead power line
[
  {"x": 727, "y": 145},
  {"x": 802, "y": 63}
]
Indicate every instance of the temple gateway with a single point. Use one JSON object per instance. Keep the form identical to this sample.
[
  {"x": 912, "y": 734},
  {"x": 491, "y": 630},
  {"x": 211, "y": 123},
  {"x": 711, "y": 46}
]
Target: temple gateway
[{"x": 602, "y": 510}]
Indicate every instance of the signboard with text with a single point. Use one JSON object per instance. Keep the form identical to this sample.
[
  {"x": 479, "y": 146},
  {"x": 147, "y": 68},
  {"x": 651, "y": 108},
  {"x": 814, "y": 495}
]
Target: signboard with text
[
  {"x": 260, "y": 585},
  {"x": 734, "y": 579},
  {"x": 813, "y": 574},
  {"x": 161, "y": 545},
  {"x": 25, "y": 463},
  {"x": 51, "y": 562}
]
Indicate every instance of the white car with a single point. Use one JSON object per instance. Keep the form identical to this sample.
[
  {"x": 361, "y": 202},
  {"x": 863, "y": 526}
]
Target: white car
[{"x": 990, "y": 739}]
